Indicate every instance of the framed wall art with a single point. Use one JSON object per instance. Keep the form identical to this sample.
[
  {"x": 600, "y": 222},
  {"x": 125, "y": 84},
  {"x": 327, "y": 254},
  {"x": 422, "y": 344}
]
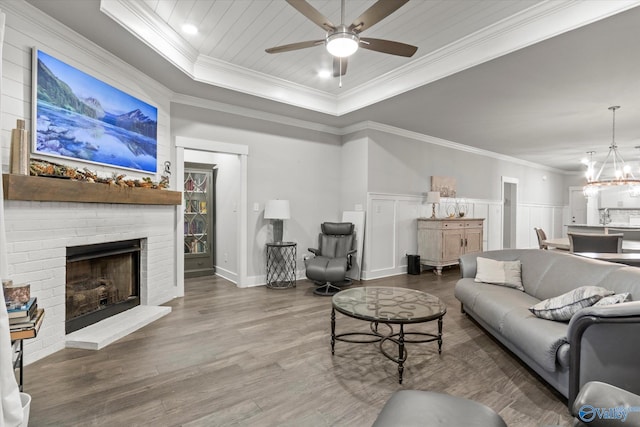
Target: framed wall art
[
  {"x": 446, "y": 185},
  {"x": 78, "y": 117}
]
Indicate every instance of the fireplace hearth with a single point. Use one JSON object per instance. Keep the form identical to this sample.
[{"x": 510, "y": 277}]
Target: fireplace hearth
[{"x": 102, "y": 280}]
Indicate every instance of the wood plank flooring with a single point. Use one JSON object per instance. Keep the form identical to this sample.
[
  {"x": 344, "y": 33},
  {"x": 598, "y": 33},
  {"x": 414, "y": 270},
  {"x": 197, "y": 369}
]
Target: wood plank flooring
[{"x": 261, "y": 357}]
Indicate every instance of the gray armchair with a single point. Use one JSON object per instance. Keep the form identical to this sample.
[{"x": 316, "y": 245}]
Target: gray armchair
[
  {"x": 599, "y": 404},
  {"x": 332, "y": 260},
  {"x": 607, "y": 243}
]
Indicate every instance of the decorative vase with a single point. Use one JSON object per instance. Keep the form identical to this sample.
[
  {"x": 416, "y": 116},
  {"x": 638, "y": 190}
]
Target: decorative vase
[
  {"x": 461, "y": 208},
  {"x": 19, "y": 163}
]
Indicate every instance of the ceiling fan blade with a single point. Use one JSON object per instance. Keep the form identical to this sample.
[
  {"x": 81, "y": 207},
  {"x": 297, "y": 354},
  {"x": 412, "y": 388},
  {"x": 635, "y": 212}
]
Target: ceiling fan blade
[
  {"x": 339, "y": 66},
  {"x": 375, "y": 14},
  {"x": 388, "y": 46},
  {"x": 294, "y": 46},
  {"x": 312, "y": 14}
]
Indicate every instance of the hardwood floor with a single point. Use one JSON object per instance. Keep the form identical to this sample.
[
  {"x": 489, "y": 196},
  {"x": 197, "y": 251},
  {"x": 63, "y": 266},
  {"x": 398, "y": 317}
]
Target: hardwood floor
[{"x": 261, "y": 357}]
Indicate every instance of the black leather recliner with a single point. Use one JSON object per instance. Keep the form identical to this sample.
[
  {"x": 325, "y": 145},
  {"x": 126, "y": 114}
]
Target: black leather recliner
[{"x": 333, "y": 258}]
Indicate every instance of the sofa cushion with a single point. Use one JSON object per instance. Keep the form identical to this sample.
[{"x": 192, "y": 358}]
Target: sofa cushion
[
  {"x": 613, "y": 299},
  {"x": 503, "y": 273},
  {"x": 540, "y": 339},
  {"x": 491, "y": 303},
  {"x": 564, "y": 306}
]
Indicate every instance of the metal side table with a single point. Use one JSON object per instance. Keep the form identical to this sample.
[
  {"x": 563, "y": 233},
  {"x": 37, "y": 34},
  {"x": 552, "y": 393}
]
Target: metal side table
[{"x": 281, "y": 265}]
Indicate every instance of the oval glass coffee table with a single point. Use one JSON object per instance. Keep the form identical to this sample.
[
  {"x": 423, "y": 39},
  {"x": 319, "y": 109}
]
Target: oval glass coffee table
[{"x": 388, "y": 306}]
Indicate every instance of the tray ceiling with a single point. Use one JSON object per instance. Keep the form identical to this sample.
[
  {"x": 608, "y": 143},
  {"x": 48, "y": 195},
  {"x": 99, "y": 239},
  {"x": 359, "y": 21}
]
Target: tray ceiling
[{"x": 451, "y": 35}]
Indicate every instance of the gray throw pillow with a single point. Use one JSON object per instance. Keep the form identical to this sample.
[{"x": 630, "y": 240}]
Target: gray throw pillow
[
  {"x": 503, "y": 273},
  {"x": 566, "y": 305},
  {"x": 613, "y": 299}
]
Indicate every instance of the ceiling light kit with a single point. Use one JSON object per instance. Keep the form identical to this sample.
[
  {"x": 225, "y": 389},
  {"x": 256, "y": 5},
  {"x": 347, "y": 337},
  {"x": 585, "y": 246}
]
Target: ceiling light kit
[
  {"x": 342, "y": 41},
  {"x": 190, "y": 29},
  {"x": 618, "y": 173}
]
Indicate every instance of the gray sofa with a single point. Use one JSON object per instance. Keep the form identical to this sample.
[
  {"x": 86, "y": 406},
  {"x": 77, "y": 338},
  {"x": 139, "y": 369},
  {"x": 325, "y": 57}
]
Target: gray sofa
[{"x": 598, "y": 344}]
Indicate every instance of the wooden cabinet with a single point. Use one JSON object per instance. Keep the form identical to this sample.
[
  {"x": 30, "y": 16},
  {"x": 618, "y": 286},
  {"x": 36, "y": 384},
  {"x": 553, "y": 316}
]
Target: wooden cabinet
[{"x": 442, "y": 241}]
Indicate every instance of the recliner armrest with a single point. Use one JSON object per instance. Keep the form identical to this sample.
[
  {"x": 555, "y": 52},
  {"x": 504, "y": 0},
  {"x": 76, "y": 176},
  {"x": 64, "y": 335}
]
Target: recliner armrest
[
  {"x": 350, "y": 258},
  {"x": 314, "y": 251},
  {"x": 598, "y": 395},
  {"x": 604, "y": 346},
  {"x": 624, "y": 309}
]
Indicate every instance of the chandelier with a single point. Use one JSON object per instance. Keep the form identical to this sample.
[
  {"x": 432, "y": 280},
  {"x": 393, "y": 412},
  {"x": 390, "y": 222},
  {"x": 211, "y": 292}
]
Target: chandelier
[{"x": 616, "y": 173}]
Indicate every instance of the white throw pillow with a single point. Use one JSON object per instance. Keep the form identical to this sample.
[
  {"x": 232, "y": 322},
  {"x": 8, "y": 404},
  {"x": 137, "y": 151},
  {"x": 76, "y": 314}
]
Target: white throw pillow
[
  {"x": 503, "y": 273},
  {"x": 564, "y": 306},
  {"x": 613, "y": 299}
]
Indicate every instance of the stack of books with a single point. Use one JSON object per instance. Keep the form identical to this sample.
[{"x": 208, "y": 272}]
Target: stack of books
[{"x": 25, "y": 317}]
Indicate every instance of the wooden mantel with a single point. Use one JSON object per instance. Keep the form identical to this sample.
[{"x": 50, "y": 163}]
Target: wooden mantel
[{"x": 43, "y": 189}]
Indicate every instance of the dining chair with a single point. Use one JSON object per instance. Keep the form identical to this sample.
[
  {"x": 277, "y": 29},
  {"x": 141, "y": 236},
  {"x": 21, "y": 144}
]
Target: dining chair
[
  {"x": 602, "y": 243},
  {"x": 542, "y": 236}
]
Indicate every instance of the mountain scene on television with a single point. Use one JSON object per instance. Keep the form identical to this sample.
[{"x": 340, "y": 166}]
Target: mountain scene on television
[{"x": 83, "y": 118}]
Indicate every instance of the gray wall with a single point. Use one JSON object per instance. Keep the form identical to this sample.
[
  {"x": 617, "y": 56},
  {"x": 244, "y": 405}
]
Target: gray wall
[
  {"x": 403, "y": 165},
  {"x": 354, "y": 171},
  {"x": 284, "y": 162}
]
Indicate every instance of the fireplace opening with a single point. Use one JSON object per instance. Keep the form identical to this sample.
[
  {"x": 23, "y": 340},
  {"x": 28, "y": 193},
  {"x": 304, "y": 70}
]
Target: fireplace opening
[{"x": 102, "y": 280}]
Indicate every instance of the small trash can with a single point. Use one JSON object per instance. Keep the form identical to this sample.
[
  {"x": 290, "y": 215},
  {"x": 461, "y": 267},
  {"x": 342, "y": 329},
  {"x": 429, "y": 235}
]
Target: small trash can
[{"x": 413, "y": 264}]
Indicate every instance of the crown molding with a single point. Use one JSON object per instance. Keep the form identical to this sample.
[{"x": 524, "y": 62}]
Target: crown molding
[
  {"x": 142, "y": 22},
  {"x": 356, "y": 127},
  {"x": 539, "y": 22},
  {"x": 137, "y": 18},
  {"x": 60, "y": 40},
  {"x": 254, "y": 114},
  {"x": 369, "y": 125},
  {"x": 223, "y": 74}
]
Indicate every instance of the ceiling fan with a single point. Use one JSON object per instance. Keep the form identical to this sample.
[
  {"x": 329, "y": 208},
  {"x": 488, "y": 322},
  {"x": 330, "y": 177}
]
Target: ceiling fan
[{"x": 341, "y": 40}]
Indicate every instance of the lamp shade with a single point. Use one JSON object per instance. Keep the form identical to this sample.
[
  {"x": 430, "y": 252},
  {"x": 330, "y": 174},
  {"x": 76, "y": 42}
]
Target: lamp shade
[
  {"x": 277, "y": 209},
  {"x": 433, "y": 197}
]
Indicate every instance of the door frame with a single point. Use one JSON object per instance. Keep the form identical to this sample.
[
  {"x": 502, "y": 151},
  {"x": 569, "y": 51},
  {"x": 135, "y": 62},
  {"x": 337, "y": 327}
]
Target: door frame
[
  {"x": 513, "y": 232},
  {"x": 591, "y": 207},
  {"x": 242, "y": 151}
]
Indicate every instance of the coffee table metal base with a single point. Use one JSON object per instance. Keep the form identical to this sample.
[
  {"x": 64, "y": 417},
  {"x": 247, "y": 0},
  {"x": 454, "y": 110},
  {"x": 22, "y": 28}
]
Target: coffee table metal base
[{"x": 398, "y": 338}]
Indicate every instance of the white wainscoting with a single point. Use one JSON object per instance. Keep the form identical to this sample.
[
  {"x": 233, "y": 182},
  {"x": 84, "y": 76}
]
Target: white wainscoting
[
  {"x": 549, "y": 218},
  {"x": 391, "y": 228}
]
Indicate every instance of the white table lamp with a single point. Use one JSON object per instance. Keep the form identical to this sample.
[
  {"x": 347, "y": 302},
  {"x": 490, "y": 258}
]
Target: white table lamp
[
  {"x": 433, "y": 197},
  {"x": 277, "y": 210}
]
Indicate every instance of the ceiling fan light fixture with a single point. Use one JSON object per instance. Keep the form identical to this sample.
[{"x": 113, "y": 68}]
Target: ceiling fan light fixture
[{"x": 342, "y": 43}]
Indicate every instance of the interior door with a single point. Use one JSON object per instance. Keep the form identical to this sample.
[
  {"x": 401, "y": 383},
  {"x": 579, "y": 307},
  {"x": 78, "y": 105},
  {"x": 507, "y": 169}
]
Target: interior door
[
  {"x": 578, "y": 207},
  {"x": 509, "y": 212}
]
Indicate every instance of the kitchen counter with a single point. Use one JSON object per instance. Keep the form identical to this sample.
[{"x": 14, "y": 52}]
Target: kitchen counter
[
  {"x": 631, "y": 232},
  {"x": 610, "y": 225}
]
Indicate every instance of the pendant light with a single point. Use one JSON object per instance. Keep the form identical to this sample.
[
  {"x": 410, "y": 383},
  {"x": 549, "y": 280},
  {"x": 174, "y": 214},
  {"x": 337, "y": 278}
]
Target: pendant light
[{"x": 613, "y": 171}]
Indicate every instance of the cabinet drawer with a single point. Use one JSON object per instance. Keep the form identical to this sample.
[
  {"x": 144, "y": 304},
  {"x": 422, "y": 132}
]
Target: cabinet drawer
[
  {"x": 473, "y": 224},
  {"x": 452, "y": 224}
]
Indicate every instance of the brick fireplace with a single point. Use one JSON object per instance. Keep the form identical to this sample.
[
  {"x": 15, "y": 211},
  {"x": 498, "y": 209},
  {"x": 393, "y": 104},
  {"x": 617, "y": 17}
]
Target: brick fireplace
[
  {"x": 39, "y": 233},
  {"x": 102, "y": 280}
]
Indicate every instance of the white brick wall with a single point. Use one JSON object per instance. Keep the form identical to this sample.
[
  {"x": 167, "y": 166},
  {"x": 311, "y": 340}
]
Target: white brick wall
[{"x": 38, "y": 234}]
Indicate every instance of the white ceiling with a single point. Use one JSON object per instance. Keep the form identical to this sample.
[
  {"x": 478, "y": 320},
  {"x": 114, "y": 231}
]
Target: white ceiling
[{"x": 528, "y": 79}]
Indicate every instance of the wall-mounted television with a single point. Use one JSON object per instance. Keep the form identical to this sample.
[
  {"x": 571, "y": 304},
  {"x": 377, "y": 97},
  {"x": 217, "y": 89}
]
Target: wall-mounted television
[{"x": 78, "y": 117}]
